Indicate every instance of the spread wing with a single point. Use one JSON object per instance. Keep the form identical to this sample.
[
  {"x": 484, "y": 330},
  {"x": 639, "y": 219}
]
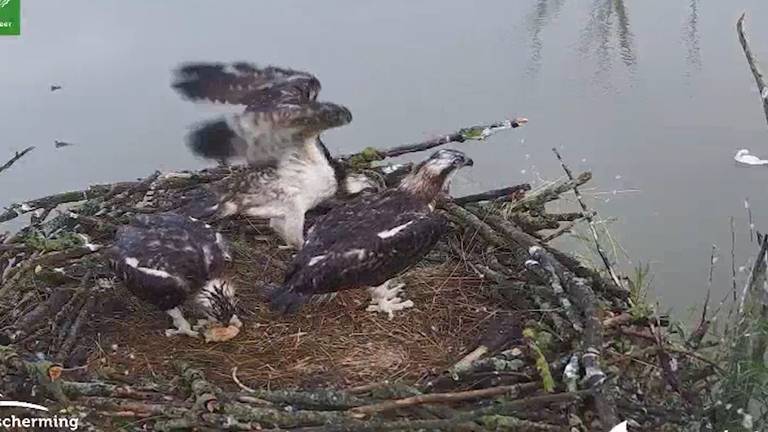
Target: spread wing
[
  {"x": 259, "y": 89},
  {"x": 362, "y": 244},
  {"x": 281, "y": 112}
]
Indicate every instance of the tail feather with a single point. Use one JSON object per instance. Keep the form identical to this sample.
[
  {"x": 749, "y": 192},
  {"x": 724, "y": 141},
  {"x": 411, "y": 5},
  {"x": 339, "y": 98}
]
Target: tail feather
[
  {"x": 216, "y": 140},
  {"x": 284, "y": 300}
]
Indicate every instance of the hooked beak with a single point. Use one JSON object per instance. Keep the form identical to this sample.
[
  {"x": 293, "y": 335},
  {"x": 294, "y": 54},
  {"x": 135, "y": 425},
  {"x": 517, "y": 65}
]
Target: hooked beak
[
  {"x": 520, "y": 121},
  {"x": 465, "y": 161}
]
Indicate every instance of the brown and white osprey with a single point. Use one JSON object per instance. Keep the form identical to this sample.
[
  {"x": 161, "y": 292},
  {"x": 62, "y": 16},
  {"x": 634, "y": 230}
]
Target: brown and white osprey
[
  {"x": 175, "y": 262},
  {"x": 278, "y": 135},
  {"x": 371, "y": 239}
]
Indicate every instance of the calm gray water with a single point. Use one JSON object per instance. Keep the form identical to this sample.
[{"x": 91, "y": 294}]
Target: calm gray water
[{"x": 652, "y": 96}]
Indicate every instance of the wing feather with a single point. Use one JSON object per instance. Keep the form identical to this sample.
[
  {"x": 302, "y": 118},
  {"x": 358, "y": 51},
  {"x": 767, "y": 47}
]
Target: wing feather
[
  {"x": 362, "y": 244},
  {"x": 281, "y": 110},
  {"x": 261, "y": 89},
  {"x": 165, "y": 257}
]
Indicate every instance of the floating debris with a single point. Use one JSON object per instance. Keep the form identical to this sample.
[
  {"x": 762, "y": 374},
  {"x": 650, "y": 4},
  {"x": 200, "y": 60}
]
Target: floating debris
[{"x": 60, "y": 144}]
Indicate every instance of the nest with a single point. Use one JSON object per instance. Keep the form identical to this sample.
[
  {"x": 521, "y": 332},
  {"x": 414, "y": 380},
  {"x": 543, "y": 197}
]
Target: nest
[
  {"x": 336, "y": 343},
  {"x": 507, "y": 332}
]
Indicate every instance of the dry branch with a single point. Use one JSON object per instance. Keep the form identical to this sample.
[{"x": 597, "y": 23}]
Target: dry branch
[
  {"x": 479, "y": 133},
  {"x": 591, "y": 221},
  {"x": 496, "y": 195},
  {"x": 15, "y": 158},
  {"x": 536, "y": 200},
  {"x": 754, "y": 65},
  {"x": 592, "y": 340}
]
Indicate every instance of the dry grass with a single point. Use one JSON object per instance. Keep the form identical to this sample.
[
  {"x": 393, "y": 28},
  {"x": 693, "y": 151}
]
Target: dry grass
[{"x": 336, "y": 343}]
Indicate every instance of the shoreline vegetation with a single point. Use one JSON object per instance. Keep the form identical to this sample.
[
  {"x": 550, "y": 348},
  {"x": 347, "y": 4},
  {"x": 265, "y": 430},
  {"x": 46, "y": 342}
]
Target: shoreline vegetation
[{"x": 509, "y": 332}]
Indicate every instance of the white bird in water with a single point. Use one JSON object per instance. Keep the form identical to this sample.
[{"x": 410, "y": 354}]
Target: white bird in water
[{"x": 743, "y": 157}]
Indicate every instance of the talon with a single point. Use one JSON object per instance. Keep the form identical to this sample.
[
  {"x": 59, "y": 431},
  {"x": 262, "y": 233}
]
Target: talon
[
  {"x": 186, "y": 332},
  {"x": 385, "y": 299},
  {"x": 201, "y": 324}
]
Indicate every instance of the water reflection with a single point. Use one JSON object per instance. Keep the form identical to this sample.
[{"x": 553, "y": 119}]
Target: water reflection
[
  {"x": 544, "y": 12},
  {"x": 691, "y": 39},
  {"x": 607, "y": 35}
]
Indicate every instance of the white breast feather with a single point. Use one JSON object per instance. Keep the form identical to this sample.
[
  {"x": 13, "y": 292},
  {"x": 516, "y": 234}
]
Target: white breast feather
[
  {"x": 392, "y": 232},
  {"x": 315, "y": 260},
  {"x": 133, "y": 262},
  {"x": 359, "y": 253},
  {"x": 307, "y": 177}
]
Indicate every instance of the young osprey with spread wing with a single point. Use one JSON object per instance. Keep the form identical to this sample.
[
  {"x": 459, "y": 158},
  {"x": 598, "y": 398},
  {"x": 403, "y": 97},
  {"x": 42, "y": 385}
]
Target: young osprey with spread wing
[
  {"x": 371, "y": 239},
  {"x": 278, "y": 135},
  {"x": 170, "y": 261}
]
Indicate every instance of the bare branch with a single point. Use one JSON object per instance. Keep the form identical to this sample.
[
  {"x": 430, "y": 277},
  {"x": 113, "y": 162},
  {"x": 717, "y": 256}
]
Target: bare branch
[
  {"x": 753, "y": 64},
  {"x": 16, "y": 157},
  {"x": 478, "y": 133},
  {"x": 590, "y": 219},
  {"x": 510, "y": 390},
  {"x": 503, "y": 194}
]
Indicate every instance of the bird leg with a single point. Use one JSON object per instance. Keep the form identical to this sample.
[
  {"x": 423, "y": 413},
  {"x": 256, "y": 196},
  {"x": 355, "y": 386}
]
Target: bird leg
[
  {"x": 278, "y": 225},
  {"x": 181, "y": 324},
  {"x": 384, "y": 298},
  {"x": 290, "y": 228},
  {"x": 201, "y": 324}
]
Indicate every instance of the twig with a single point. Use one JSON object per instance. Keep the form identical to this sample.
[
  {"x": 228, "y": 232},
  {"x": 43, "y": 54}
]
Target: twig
[
  {"x": 545, "y": 270},
  {"x": 753, "y": 64},
  {"x": 590, "y": 219},
  {"x": 15, "y": 158},
  {"x": 563, "y": 229},
  {"x": 510, "y": 390},
  {"x": 470, "y": 133},
  {"x": 16, "y": 210},
  {"x": 74, "y": 332},
  {"x": 317, "y": 399},
  {"x": 550, "y": 193},
  {"x": 748, "y": 208},
  {"x": 592, "y": 340},
  {"x": 99, "y": 191},
  {"x": 493, "y": 195},
  {"x": 733, "y": 261},
  {"x": 503, "y": 408},
  {"x": 479, "y": 133}
]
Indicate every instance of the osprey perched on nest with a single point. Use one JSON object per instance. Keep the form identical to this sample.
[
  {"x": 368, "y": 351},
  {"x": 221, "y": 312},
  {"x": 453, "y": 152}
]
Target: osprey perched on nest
[
  {"x": 368, "y": 241},
  {"x": 170, "y": 261},
  {"x": 278, "y": 134}
]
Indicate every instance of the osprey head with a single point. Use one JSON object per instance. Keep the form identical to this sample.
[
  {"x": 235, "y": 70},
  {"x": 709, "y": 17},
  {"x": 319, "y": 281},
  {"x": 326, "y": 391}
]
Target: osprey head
[
  {"x": 218, "y": 302},
  {"x": 446, "y": 161},
  {"x": 358, "y": 183},
  {"x": 432, "y": 175}
]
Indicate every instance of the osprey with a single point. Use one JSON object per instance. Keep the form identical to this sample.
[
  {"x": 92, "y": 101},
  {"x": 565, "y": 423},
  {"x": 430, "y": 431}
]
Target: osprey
[
  {"x": 278, "y": 135},
  {"x": 173, "y": 261},
  {"x": 371, "y": 239}
]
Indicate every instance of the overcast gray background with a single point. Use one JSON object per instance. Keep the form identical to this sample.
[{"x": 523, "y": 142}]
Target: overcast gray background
[{"x": 652, "y": 95}]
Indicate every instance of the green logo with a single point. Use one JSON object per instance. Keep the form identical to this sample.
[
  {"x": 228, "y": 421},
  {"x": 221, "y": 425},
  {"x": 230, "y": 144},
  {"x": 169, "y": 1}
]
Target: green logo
[{"x": 10, "y": 17}]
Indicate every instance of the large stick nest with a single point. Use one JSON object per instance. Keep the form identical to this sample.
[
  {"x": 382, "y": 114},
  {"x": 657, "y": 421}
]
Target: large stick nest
[{"x": 499, "y": 314}]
